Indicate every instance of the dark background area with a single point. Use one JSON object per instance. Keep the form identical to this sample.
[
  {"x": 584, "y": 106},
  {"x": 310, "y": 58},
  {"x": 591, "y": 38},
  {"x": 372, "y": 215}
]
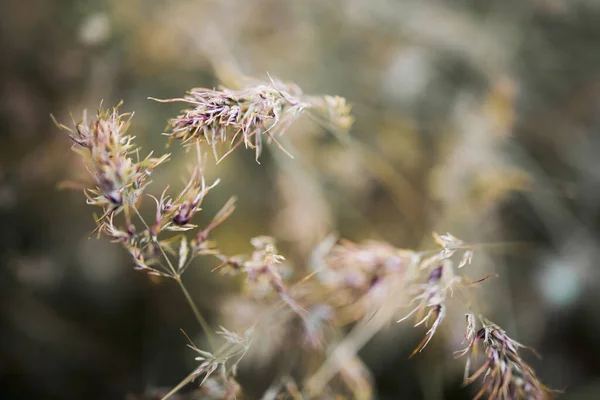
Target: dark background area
[{"x": 480, "y": 118}]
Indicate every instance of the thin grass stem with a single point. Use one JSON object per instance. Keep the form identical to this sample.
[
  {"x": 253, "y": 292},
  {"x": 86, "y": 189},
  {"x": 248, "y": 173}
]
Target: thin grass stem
[{"x": 199, "y": 317}]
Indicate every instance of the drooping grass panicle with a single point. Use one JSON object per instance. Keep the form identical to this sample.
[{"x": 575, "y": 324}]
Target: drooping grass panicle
[
  {"x": 432, "y": 291},
  {"x": 506, "y": 376}
]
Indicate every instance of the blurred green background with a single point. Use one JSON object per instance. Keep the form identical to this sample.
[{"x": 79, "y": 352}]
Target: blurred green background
[{"x": 480, "y": 118}]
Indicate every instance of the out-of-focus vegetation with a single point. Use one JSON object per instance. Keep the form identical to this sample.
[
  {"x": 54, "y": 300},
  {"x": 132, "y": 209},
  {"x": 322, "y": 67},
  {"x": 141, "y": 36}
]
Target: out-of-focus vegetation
[{"x": 475, "y": 117}]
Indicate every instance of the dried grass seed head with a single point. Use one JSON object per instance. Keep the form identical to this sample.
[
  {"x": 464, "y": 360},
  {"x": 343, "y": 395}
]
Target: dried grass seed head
[
  {"x": 230, "y": 117},
  {"x": 176, "y": 214},
  {"x": 506, "y": 375},
  {"x": 250, "y": 115},
  {"x": 361, "y": 266},
  {"x": 112, "y": 160},
  {"x": 431, "y": 303}
]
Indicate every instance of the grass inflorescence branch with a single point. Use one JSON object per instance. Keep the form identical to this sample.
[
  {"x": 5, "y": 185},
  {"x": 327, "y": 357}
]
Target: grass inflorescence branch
[{"x": 354, "y": 288}]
